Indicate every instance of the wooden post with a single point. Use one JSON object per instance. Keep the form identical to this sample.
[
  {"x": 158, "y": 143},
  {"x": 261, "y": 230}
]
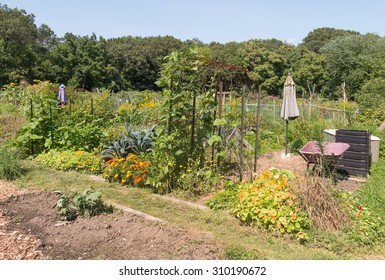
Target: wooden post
[
  {"x": 344, "y": 97},
  {"x": 220, "y": 107},
  {"x": 220, "y": 113}
]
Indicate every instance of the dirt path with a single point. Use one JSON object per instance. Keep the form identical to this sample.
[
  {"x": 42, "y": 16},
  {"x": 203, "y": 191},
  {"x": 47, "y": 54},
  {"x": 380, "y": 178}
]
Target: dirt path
[{"x": 30, "y": 229}]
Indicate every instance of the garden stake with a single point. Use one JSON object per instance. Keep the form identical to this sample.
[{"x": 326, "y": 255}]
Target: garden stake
[
  {"x": 193, "y": 125},
  {"x": 215, "y": 115},
  {"x": 92, "y": 106},
  {"x": 51, "y": 124},
  {"x": 257, "y": 131},
  {"x": 31, "y": 113},
  {"x": 242, "y": 134}
]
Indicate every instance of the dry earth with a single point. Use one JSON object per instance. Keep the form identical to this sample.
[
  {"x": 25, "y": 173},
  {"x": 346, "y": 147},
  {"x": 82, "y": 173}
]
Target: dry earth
[{"x": 30, "y": 229}]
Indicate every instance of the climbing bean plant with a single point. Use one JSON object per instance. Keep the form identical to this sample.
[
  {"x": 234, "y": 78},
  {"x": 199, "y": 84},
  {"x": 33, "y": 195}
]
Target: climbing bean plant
[{"x": 186, "y": 118}]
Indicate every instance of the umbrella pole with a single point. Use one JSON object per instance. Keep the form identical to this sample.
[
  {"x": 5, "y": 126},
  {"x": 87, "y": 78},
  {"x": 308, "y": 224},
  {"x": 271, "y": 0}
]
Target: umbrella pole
[{"x": 287, "y": 135}]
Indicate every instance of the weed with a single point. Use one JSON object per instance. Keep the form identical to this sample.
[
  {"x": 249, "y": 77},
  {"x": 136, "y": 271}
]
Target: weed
[
  {"x": 10, "y": 168},
  {"x": 239, "y": 252}
]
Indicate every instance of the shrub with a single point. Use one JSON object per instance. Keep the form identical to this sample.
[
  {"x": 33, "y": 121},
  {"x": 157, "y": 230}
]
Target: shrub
[
  {"x": 10, "y": 168},
  {"x": 127, "y": 171},
  {"x": 71, "y": 160},
  {"x": 270, "y": 203}
]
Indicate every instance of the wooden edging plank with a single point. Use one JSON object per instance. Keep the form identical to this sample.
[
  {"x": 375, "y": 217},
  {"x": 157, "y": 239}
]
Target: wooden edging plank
[{"x": 135, "y": 212}]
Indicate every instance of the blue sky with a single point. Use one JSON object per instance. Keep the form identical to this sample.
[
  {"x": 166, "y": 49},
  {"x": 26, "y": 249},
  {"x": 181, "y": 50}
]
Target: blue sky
[{"x": 208, "y": 20}]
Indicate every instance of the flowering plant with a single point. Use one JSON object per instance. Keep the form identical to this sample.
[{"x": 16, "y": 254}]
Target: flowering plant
[
  {"x": 127, "y": 171},
  {"x": 367, "y": 226},
  {"x": 269, "y": 203},
  {"x": 71, "y": 160}
]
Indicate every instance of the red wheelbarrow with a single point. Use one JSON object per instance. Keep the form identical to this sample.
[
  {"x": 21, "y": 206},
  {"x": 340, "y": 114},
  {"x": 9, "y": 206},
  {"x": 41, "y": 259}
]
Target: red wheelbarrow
[{"x": 330, "y": 153}]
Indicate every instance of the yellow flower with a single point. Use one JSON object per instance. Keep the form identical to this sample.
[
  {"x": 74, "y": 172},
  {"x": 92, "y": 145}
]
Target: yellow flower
[
  {"x": 123, "y": 181},
  {"x": 131, "y": 156},
  {"x": 129, "y": 174},
  {"x": 116, "y": 176}
]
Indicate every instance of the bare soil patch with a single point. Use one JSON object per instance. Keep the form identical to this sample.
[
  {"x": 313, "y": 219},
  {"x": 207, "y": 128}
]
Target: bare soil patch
[{"x": 30, "y": 228}]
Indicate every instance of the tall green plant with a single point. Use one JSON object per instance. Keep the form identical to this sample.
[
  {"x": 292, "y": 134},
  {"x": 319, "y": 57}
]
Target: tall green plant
[{"x": 183, "y": 127}]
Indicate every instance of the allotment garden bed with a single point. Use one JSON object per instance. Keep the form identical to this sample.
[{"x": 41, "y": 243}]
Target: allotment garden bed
[{"x": 30, "y": 228}]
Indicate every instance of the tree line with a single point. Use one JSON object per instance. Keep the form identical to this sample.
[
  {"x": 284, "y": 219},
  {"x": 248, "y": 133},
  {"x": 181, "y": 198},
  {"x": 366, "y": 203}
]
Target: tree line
[{"x": 326, "y": 58}]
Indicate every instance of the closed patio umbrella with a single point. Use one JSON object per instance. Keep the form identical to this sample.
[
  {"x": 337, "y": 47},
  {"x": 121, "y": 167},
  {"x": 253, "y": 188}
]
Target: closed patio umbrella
[{"x": 289, "y": 109}]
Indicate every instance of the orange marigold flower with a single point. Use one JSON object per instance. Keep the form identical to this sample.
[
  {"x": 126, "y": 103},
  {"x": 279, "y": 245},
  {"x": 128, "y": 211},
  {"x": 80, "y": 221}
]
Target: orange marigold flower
[
  {"x": 142, "y": 164},
  {"x": 137, "y": 179},
  {"x": 241, "y": 195}
]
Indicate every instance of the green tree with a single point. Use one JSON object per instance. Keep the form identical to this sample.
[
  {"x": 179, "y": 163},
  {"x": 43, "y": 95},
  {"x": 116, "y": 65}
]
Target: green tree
[
  {"x": 138, "y": 60},
  {"x": 319, "y": 37},
  {"x": 267, "y": 61},
  {"x": 82, "y": 62},
  {"x": 308, "y": 70},
  {"x": 355, "y": 60},
  {"x": 18, "y": 44}
]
